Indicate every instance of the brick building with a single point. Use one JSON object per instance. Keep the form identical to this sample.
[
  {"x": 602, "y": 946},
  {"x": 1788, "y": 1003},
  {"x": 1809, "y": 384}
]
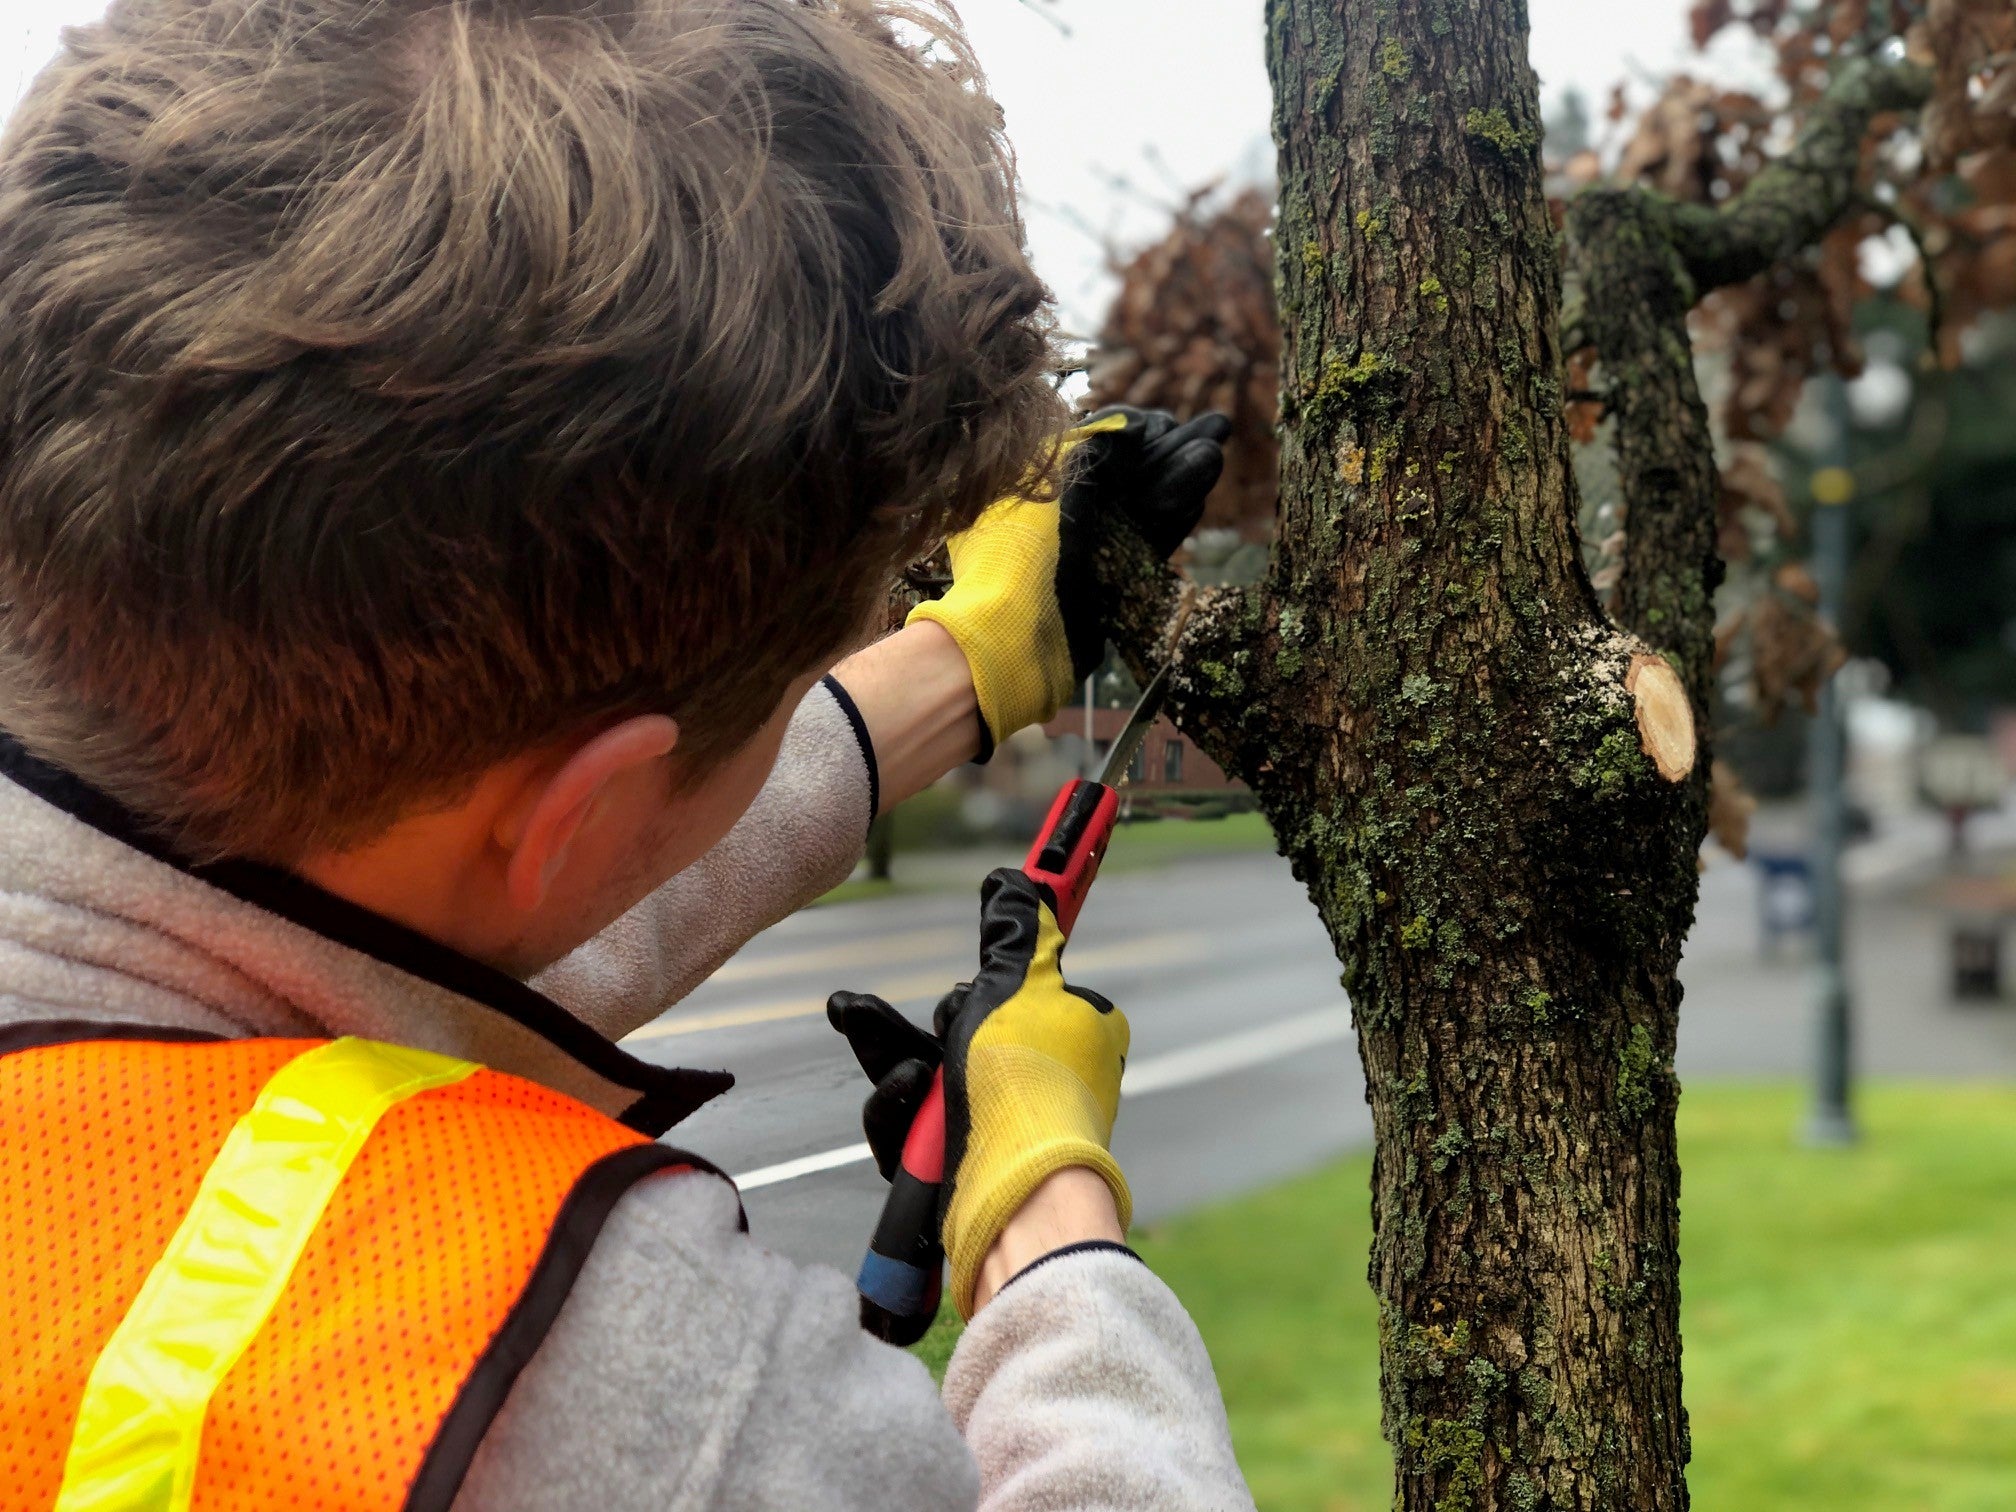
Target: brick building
[{"x": 1168, "y": 762}]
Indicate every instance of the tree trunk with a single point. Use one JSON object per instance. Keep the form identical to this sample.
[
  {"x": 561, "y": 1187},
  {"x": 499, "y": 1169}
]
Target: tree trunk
[
  {"x": 1506, "y": 872},
  {"x": 1495, "y": 795},
  {"x": 1457, "y": 752}
]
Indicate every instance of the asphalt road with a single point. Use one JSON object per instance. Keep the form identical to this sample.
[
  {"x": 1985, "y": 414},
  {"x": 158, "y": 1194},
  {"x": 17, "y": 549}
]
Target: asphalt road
[{"x": 1242, "y": 1069}]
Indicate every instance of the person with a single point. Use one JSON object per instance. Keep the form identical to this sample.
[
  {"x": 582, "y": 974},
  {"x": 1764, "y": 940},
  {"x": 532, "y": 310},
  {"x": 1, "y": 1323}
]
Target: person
[{"x": 452, "y": 456}]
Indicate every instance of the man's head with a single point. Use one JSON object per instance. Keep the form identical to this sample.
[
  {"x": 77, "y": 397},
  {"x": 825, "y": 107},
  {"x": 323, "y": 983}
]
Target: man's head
[{"x": 395, "y": 390}]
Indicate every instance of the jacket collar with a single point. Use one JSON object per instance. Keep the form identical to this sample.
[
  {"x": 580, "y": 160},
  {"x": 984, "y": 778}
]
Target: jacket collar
[{"x": 341, "y": 968}]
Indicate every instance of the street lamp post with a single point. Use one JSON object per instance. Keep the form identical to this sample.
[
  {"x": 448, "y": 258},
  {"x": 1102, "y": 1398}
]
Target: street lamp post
[
  {"x": 1833, "y": 1119},
  {"x": 1091, "y": 747}
]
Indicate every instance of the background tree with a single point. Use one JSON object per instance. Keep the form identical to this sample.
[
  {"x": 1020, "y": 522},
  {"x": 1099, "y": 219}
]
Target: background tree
[
  {"x": 1483, "y": 764},
  {"x": 1933, "y": 202}
]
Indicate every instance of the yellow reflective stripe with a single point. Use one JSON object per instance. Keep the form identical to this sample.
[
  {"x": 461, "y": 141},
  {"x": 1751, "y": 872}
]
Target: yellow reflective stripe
[{"x": 141, "y": 1420}]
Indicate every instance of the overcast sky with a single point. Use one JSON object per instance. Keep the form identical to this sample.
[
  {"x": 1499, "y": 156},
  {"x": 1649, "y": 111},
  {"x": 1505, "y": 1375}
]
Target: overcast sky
[{"x": 1134, "y": 83}]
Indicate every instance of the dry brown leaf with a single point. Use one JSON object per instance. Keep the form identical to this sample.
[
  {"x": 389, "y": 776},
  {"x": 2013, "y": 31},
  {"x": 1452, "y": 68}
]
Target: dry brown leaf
[
  {"x": 1730, "y": 806},
  {"x": 1584, "y": 415},
  {"x": 1750, "y": 482},
  {"x": 1792, "y": 652},
  {"x": 1797, "y": 579},
  {"x": 1725, "y": 637},
  {"x": 1848, "y": 20},
  {"x": 1708, "y": 17},
  {"x": 1785, "y": 325},
  {"x": 1670, "y": 146},
  {"x": 1970, "y": 42},
  {"x": 1194, "y": 327},
  {"x": 1582, "y": 169}
]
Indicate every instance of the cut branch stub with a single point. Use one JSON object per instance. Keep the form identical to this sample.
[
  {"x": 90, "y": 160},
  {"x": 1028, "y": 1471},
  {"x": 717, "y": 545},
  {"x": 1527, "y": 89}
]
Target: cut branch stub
[{"x": 1665, "y": 716}]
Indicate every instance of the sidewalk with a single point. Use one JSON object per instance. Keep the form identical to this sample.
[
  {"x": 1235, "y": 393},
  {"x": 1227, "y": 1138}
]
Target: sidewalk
[{"x": 1749, "y": 1014}]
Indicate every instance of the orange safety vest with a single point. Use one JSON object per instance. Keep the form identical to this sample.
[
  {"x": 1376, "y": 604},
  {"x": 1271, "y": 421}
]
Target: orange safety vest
[{"x": 274, "y": 1273}]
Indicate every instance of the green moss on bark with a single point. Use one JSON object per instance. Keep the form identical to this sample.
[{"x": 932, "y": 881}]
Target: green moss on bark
[{"x": 1494, "y": 129}]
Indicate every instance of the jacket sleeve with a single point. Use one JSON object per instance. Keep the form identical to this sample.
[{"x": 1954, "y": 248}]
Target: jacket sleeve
[
  {"x": 799, "y": 839},
  {"x": 1083, "y": 1384},
  {"x": 690, "y": 1369}
]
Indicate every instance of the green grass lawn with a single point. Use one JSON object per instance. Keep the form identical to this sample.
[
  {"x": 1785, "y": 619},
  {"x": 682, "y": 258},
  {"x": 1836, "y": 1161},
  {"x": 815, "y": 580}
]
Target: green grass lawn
[
  {"x": 1151, "y": 842},
  {"x": 1849, "y": 1316},
  {"x": 1136, "y": 847}
]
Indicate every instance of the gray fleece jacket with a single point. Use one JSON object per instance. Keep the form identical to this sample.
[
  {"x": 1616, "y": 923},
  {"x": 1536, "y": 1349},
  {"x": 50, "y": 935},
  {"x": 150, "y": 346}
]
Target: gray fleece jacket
[{"x": 689, "y": 1367}]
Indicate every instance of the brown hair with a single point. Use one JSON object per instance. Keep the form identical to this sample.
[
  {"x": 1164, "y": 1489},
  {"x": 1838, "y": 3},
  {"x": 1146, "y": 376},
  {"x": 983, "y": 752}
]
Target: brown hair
[{"x": 388, "y": 387}]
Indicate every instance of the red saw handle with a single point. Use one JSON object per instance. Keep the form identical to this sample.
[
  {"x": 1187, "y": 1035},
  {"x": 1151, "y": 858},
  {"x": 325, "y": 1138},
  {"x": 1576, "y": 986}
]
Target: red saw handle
[
  {"x": 1068, "y": 849},
  {"x": 900, "y": 1274}
]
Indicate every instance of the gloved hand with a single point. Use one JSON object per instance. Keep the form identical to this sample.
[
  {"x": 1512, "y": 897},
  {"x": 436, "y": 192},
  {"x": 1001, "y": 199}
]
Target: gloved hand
[
  {"x": 1032, "y": 1075},
  {"x": 1024, "y": 605}
]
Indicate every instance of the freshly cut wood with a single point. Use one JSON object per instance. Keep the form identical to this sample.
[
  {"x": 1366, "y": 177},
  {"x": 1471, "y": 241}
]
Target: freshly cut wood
[{"x": 1665, "y": 716}]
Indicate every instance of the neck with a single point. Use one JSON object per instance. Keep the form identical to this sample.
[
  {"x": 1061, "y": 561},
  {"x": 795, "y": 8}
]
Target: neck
[{"x": 438, "y": 873}]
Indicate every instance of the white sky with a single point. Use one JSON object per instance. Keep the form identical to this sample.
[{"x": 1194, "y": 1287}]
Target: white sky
[{"x": 1182, "y": 81}]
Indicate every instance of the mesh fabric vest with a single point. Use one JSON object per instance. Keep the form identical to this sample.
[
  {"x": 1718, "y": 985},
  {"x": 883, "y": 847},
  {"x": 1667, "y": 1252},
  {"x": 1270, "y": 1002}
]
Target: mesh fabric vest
[{"x": 278, "y": 1273}]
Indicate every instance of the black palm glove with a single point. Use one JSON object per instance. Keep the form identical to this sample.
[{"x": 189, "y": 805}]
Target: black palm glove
[
  {"x": 1024, "y": 605},
  {"x": 1151, "y": 470},
  {"x": 1032, "y": 1075},
  {"x": 899, "y": 1059}
]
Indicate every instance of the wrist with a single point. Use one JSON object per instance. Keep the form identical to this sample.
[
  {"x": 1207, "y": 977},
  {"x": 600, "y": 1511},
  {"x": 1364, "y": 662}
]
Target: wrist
[
  {"x": 1002, "y": 612},
  {"x": 914, "y": 691},
  {"x": 1071, "y": 1206}
]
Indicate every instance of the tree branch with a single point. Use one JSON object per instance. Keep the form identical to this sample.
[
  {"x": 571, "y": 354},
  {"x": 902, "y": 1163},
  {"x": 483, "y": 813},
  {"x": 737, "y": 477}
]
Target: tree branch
[
  {"x": 1145, "y": 598},
  {"x": 1143, "y": 594},
  {"x": 1636, "y": 295},
  {"x": 1928, "y": 270},
  {"x": 1796, "y": 199},
  {"x": 1643, "y": 261}
]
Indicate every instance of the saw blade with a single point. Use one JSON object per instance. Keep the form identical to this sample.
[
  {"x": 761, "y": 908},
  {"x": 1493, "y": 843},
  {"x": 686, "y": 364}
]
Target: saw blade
[{"x": 1128, "y": 741}]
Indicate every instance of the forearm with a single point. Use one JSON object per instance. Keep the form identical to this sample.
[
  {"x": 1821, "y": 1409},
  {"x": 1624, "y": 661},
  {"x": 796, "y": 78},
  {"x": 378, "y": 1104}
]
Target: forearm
[
  {"x": 1073, "y": 1207},
  {"x": 914, "y": 692}
]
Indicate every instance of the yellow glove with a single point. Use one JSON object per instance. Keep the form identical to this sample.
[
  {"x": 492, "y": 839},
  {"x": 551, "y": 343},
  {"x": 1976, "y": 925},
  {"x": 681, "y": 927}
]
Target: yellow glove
[
  {"x": 1024, "y": 604},
  {"x": 1032, "y": 1076}
]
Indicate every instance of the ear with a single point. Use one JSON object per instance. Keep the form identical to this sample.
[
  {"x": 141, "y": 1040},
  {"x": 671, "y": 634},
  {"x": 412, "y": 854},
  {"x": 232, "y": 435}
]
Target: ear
[{"x": 539, "y": 830}]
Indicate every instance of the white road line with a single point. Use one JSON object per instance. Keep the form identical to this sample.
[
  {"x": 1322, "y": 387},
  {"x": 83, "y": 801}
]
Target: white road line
[
  {"x": 804, "y": 1165},
  {"x": 1148, "y": 950},
  {"x": 1236, "y": 1052},
  {"x": 1158, "y": 1073}
]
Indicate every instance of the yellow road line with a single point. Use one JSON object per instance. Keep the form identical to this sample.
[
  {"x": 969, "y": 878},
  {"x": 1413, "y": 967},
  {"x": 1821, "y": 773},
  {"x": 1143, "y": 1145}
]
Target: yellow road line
[
  {"x": 1078, "y": 964},
  {"x": 880, "y": 950}
]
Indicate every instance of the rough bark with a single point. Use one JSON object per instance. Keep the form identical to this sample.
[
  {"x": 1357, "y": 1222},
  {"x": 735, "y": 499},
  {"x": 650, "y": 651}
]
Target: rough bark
[
  {"x": 1493, "y": 793},
  {"x": 1642, "y": 262},
  {"x": 1434, "y": 715}
]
